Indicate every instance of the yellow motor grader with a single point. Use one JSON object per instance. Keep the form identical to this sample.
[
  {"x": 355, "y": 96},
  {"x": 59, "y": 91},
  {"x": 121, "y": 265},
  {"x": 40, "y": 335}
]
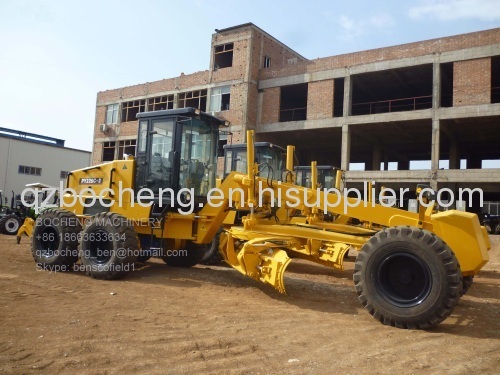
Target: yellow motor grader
[{"x": 411, "y": 270}]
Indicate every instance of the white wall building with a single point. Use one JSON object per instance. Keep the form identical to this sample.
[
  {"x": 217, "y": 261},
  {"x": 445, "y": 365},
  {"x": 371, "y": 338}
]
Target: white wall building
[{"x": 27, "y": 158}]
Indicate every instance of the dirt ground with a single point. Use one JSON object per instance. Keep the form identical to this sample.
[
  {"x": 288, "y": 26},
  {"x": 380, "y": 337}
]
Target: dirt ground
[{"x": 214, "y": 320}]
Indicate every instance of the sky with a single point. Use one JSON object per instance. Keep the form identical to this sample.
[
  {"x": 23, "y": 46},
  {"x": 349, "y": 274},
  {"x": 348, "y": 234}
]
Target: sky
[{"x": 56, "y": 55}]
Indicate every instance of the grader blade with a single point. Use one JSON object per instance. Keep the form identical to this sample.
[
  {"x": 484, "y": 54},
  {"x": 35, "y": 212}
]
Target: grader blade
[
  {"x": 272, "y": 268},
  {"x": 260, "y": 258}
]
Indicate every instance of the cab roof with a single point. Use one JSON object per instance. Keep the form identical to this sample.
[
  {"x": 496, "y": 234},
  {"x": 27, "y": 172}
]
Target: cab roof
[{"x": 188, "y": 112}]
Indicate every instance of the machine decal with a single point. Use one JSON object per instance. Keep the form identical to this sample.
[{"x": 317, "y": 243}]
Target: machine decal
[{"x": 91, "y": 181}]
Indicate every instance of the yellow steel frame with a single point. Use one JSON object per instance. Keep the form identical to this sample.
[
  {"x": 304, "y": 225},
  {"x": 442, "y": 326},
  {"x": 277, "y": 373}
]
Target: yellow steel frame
[{"x": 261, "y": 246}]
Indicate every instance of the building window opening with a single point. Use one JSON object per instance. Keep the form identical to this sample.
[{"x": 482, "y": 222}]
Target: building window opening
[
  {"x": 495, "y": 79},
  {"x": 446, "y": 85},
  {"x": 223, "y": 57},
  {"x": 221, "y": 144},
  {"x": 131, "y": 109},
  {"x": 220, "y": 98},
  {"x": 33, "y": 171},
  {"x": 108, "y": 151},
  {"x": 112, "y": 113},
  {"x": 338, "y": 97},
  {"x": 161, "y": 103},
  {"x": 267, "y": 62},
  {"x": 196, "y": 99},
  {"x": 126, "y": 147},
  {"x": 293, "y": 103},
  {"x": 392, "y": 90}
]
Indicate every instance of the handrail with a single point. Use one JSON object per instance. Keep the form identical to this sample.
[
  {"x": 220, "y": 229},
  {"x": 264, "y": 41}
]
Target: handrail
[
  {"x": 296, "y": 114},
  {"x": 390, "y": 107}
]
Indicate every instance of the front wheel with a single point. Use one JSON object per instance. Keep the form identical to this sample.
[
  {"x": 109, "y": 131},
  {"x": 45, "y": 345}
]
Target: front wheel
[
  {"x": 55, "y": 240},
  {"x": 408, "y": 278},
  {"x": 467, "y": 283},
  {"x": 108, "y": 247}
]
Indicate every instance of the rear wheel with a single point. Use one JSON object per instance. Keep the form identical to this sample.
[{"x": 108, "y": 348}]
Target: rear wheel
[
  {"x": 144, "y": 256},
  {"x": 407, "y": 277},
  {"x": 55, "y": 240},
  {"x": 145, "y": 253},
  {"x": 10, "y": 224},
  {"x": 109, "y": 246},
  {"x": 185, "y": 258}
]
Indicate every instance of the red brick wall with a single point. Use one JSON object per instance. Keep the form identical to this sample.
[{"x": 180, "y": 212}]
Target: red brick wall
[
  {"x": 240, "y": 58},
  {"x": 472, "y": 82},
  {"x": 186, "y": 81},
  {"x": 97, "y": 153},
  {"x": 100, "y": 119},
  {"x": 256, "y": 62},
  {"x": 320, "y": 100},
  {"x": 182, "y": 83},
  {"x": 279, "y": 55},
  {"x": 252, "y": 102},
  {"x": 220, "y": 167},
  {"x": 236, "y": 137},
  {"x": 163, "y": 85},
  {"x": 271, "y": 105},
  {"x": 451, "y": 43},
  {"x": 108, "y": 96},
  {"x": 237, "y": 103}
]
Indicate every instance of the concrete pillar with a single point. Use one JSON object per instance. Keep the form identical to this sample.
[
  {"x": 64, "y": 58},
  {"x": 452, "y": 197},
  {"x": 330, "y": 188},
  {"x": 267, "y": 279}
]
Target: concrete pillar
[
  {"x": 347, "y": 95},
  {"x": 376, "y": 157},
  {"x": 436, "y": 85},
  {"x": 435, "y": 152},
  {"x": 454, "y": 157},
  {"x": 346, "y": 148},
  {"x": 176, "y": 101},
  {"x": 436, "y": 102},
  {"x": 345, "y": 154},
  {"x": 209, "y": 99}
]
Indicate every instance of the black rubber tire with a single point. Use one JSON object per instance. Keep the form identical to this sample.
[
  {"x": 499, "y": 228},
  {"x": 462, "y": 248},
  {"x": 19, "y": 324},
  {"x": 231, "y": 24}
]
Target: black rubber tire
[
  {"x": 143, "y": 256},
  {"x": 145, "y": 253},
  {"x": 109, "y": 246},
  {"x": 408, "y": 278},
  {"x": 212, "y": 255},
  {"x": 188, "y": 257},
  {"x": 10, "y": 224},
  {"x": 466, "y": 283},
  {"x": 2, "y": 226},
  {"x": 54, "y": 243}
]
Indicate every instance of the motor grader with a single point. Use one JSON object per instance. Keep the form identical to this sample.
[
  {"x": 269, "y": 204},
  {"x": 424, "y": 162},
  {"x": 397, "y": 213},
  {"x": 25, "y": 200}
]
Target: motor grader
[{"x": 411, "y": 270}]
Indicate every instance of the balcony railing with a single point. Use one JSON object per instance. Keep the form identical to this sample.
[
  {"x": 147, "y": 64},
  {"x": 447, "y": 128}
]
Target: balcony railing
[
  {"x": 293, "y": 114},
  {"x": 394, "y": 105}
]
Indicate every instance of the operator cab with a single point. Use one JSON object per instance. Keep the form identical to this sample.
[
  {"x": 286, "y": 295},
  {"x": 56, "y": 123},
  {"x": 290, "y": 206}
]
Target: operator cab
[
  {"x": 177, "y": 149},
  {"x": 326, "y": 176},
  {"x": 269, "y": 156}
]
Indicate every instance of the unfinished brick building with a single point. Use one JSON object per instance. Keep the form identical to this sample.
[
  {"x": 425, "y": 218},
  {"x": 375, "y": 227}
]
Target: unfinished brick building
[{"x": 423, "y": 112}]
